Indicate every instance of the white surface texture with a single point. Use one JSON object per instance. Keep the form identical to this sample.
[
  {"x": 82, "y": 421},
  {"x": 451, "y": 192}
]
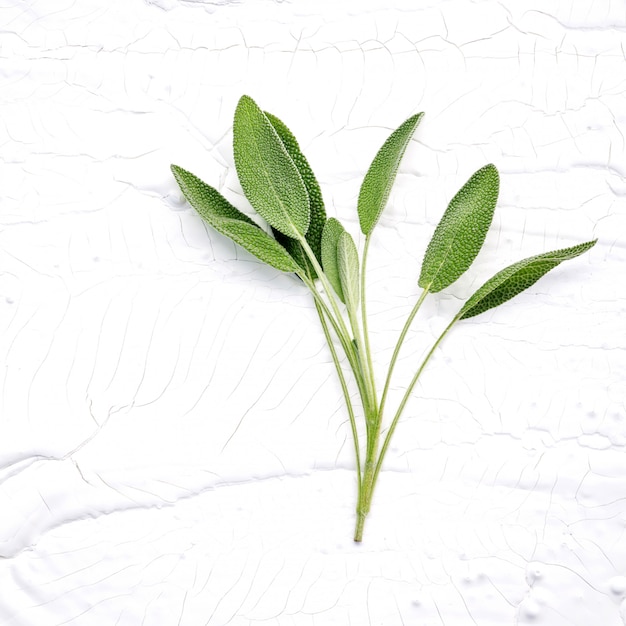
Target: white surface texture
[{"x": 174, "y": 448}]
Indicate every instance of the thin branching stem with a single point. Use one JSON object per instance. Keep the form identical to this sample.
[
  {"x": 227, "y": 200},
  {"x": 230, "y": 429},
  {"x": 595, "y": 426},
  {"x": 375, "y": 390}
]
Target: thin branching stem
[
  {"x": 342, "y": 331},
  {"x": 366, "y": 338},
  {"x": 396, "y": 351},
  {"x": 344, "y": 339},
  {"x": 346, "y": 394},
  {"x": 406, "y": 397},
  {"x": 367, "y": 374}
]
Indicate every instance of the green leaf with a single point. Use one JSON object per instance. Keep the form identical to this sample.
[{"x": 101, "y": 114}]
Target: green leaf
[
  {"x": 517, "y": 277},
  {"x": 460, "y": 234},
  {"x": 348, "y": 264},
  {"x": 330, "y": 240},
  {"x": 229, "y": 221},
  {"x": 318, "y": 212},
  {"x": 209, "y": 202},
  {"x": 296, "y": 251},
  {"x": 268, "y": 175},
  {"x": 380, "y": 177}
]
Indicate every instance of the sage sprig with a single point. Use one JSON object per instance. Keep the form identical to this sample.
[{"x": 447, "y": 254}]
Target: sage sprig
[{"x": 280, "y": 185}]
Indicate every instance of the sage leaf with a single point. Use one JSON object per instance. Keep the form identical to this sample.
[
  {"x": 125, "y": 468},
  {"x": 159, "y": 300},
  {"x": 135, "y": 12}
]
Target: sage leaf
[
  {"x": 231, "y": 222},
  {"x": 515, "y": 278},
  {"x": 348, "y": 264},
  {"x": 460, "y": 234},
  {"x": 381, "y": 174},
  {"x": 330, "y": 240},
  {"x": 296, "y": 251},
  {"x": 206, "y": 200},
  {"x": 316, "y": 202},
  {"x": 268, "y": 175}
]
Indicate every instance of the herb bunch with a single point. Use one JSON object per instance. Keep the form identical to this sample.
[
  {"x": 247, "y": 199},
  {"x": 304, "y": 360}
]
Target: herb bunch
[{"x": 281, "y": 187}]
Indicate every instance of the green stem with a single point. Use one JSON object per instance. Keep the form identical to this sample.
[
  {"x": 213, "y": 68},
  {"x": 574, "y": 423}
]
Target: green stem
[
  {"x": 372, "y": 417},
  {"x": 345, "y": 341},
  {"x": 356, "y": 361},
  {"x": 368, "y": 350},
  {"x": 371, "y": 464},
  {"x": 322, "y": 311},
  {"x": 364, "y": 502},
  {"x": 363, "y": 508},
  {"x": 406, "y": 397},
  {"x": 396, "y": 351},
  {"x": 330, "y": 293},
  {"x": 367, "y": 374},
  {"x": 346, "y": 395}
]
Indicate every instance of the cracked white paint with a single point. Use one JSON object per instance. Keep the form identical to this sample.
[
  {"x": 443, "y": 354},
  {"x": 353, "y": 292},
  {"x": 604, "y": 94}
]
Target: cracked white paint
[{"x": 173, "y": 445}]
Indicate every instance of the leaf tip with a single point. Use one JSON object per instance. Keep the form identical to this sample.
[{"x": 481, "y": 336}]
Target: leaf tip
[
  {"x": 245, "y": 99},
  {"x": 417, "y": 118},
  {"x": 491, "y": 170},
  {"x": 244, "y": 106}
]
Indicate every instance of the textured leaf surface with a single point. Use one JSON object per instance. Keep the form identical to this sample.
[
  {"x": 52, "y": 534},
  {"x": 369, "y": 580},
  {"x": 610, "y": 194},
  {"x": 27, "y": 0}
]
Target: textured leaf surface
[
  {"x": 330, "y": 240},
  {"x": 295, "y": 250},
  {"x": 517, "y": 277},
  {"x": 318, "y": 212},
  {"x": 268, "y": 175},
  {"x": 460, "y": 234},
  {"x": 348, "y": 264},
  {"x": 229, "y": 221},
  {"x": 381, "y": 174}
]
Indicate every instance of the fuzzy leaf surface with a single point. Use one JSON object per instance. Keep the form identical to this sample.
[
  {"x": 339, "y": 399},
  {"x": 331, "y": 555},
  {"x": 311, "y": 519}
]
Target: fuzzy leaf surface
[
  {"x": 231, "y": 222},
  {"x": 296, "y": 251},
  {"x": 460, "y": 234},
  {"x": 330, "y": 240},
  {"x": 515, "y": 278},
  {"x": 381, "y": 174},
  {"x": 268, "y": 175},
  {"x": 348, "y": 264},
  {"x": 318, "y": 211}
]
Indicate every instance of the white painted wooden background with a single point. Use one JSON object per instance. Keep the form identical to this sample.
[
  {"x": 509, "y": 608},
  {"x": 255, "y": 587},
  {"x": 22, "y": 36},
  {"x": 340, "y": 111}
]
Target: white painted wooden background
[{"x": 173, "y": 444}]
